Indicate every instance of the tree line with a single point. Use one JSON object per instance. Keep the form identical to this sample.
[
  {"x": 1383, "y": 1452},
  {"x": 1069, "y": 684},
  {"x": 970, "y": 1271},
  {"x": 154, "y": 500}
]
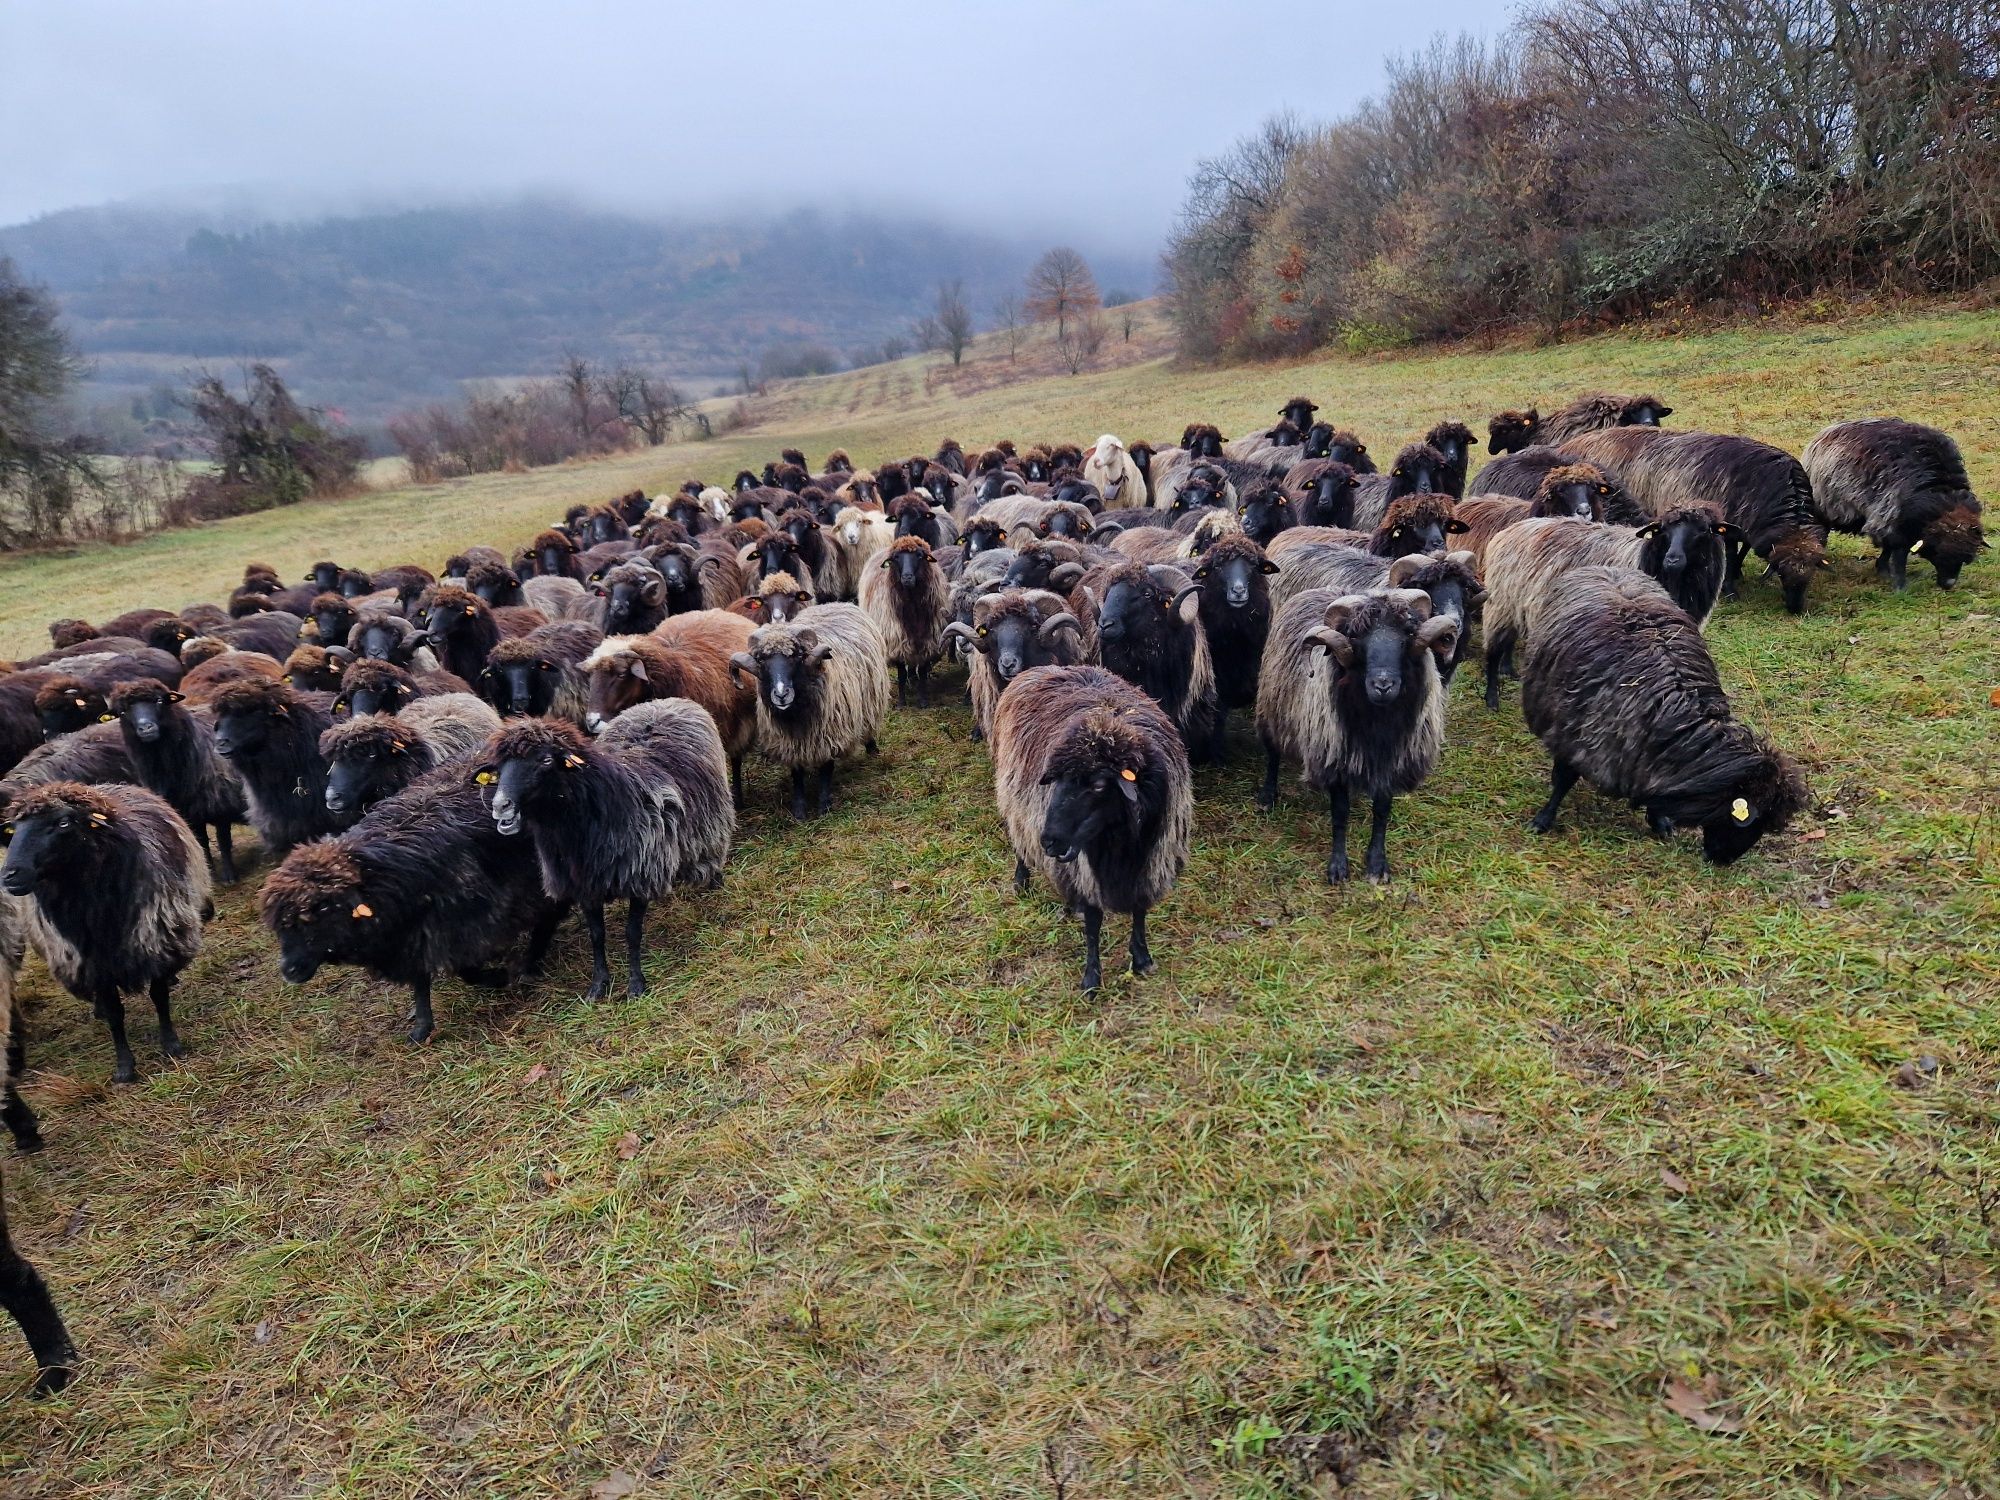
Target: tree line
[{"x": 1603, "y": 159}]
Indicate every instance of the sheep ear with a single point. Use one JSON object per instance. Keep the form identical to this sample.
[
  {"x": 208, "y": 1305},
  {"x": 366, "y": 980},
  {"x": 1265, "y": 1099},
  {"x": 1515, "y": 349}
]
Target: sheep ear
[
  {"x": 822, "y": 652},
  {"x": 1128, "y": 783},
  {"x": 1651, "y": 528},
  {"x": 639, "y": 670},
  {"x": 1454, "y": 526},
  {"x": 1440, "y": 633},
  {"x": 1270, "y": 567}
]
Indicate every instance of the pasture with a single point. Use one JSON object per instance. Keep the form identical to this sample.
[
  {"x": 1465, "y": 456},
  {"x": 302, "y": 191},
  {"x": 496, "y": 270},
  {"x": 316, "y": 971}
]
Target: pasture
[{"x": 1558, "y": 1166}]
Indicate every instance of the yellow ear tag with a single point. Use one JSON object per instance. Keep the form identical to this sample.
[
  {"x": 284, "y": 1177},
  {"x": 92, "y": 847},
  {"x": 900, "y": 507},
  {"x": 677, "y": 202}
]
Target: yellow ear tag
[
  {"x": 106, "y": 718},
  {"x": 573, "y": 761},
  {"x": 1740, "y": 810},
  {"x": 1129, "y": 775},
  {"x": 485, "y": 778},
  {"x": 98, "y": 820},
  {"x": 363, "y": 909}
]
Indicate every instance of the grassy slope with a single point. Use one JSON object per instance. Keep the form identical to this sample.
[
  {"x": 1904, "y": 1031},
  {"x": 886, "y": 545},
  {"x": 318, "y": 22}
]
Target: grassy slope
[{"x": 861, "y": 1198}]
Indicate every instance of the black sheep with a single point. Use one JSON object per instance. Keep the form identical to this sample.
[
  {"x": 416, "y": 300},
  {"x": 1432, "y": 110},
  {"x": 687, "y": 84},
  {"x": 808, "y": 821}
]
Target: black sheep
[
  {"x": 1235, "y": 618},
  {"x": 1145, "y": 625},
  {"x": 173, "y": 752},
  {"x": 269, "y": 733}
]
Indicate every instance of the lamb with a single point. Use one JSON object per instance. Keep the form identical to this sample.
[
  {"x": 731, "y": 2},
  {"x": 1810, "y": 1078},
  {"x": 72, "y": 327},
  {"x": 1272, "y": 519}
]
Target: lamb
[
  {"x": 1095, "y": 793},
  {"x": 173, "y": 753},
  {"x": 22, "y": 1291},
  {"x": 690, "y": 656},
  {"x": 541, "y": 673},
  {"x": 421, "y": 885},
  {"x": 907, "y": 599},
  {"x": 270, "y": 734},
  {"x": 1620, "y": 688},
  {"x": 1011, "y": 631},
  {"x": 1685, "y": 551},
  {"x": 822, "y": 688},
  {"x": 374, "y": 756},
  {"x": 1418, "y": 470},
  {"x": 1904, "y": 487},
  {"x": 1368, "y": 716},
  {"x": 1235, "y": 614},
  {"x": 1574, "y": 490},
  {"x": 1760, "y": 490},
  {"x": 633, "y": 814},
  {"x": 120, "y": 890},
  {"x": 1598, "y": 412},
  {"x": 1144, "y": 624},
  {"x": 1109, "y": 467}
]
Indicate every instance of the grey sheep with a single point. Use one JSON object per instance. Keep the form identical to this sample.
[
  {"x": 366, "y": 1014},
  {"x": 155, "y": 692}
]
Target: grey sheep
[
  {"x": 374, "y": 756},
  {"x": 822, "y": 689},
  {"x": 905, "y": 595},
  {"x": 1904, "y": 487}
]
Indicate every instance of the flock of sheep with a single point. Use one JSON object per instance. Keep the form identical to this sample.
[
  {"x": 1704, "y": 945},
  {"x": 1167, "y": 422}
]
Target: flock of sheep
[{"x": 442, "y": 766}]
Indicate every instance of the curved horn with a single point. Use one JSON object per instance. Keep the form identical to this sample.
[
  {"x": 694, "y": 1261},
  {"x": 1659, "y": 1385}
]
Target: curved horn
[
  {"x": 1406, "y": 567},
  {"x": 1332, "y": 642},
  {"x": 743, "y": 661},
  {"x": 1440, "y": 633},
  {"x": 1047, "y": 633},
  {"x": 960, "y": 631},
  {"x": 1192, "y": 588},
  {"x": 1414, "y": 600}
]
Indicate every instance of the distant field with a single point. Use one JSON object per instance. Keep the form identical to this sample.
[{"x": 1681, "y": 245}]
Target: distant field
[{"x": 1442, "y": 1188}]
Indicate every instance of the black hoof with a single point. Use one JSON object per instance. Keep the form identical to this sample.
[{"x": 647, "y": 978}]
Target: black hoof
[
  {"x": 422, "y": 1032},
  {"x": 52, "y": 1380},
  {"x": 173, "y": 1046}
]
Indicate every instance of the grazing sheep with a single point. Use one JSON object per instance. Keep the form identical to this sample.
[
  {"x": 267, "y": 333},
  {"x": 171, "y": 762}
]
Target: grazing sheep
[
  {"x": 1235, "y": 614},
  {"x": 1904, "y": 487},
  {"x": 541, "y": 673},
  {"x": 822, "y": 688},
  {"x": 1418, "y": 470},
  {"x": 1762, "y": 491},
  {"x": 270, "y": 734},
  {"x": 1351, "y": 690},
  {"x": 630, "y": 815},
  {"x": 173, "y": 753},
  {"x": 1597, "y": 412},
  {"x": 375, "y": 756},
  {"x": 906, "y": 597},
  {"x": 1684, "y": 551},
  {"x": 23, "y": 1293},
  {"x": 1011, "y": 631},
  {"x": 423, "y": 884},
  {"x": 1094, "y": 791},
  {"x": 690, "y": 656},
  {"x": 1511, "y": 431},
  {"x": 119, "y": 891},
  {"x": 1144, "y": 623},
  {"x": 1619, "y": 686}
]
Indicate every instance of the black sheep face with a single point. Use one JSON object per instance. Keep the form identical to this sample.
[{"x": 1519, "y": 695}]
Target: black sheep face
[
  {"x": 678, "y": 567},
  {"x": 1030, "y": 570},
  {"x": 789, "y": 673},
  {"x": 1386, "y": 658},
  {"x": 1728, "y": 837},
  {"x": 1419, "y": 473},
  {"x": 907, "y": 566},
  {"x": 145, "y": 712},
  {"x": 914, "y": 518},
  {"x": 744, "y": 480},
  {"x": 45, "y": 844},
  {"x": 1085, "y": 806},
  {"x": 366, "y": 774},
  {"x": 630, "y": 592},
  {"x": 332, "y": 622},
  {"x": 168, "y": 635},
  {"x": 245, "y": 731},
  {"x": 1014, "y": 643},
  {"x": 1330, "y": 502},
  {"x": 982, "y": 536},
  {"x": 1950, "y": 542},
  {"x": 553, "y": 560},
  {"x": 1207, "y": 443},
  {"x": 1678, "y": 543},
  {"x": 779, "y": 553},
  {"x": 374, "y": 695},
  {"x": 605, "y": 526},
  {"x": 688, "y": 513},
  {"x": 497, "y": 586},
  {"x": 1579, "y": 498},
  {"x": 1036, "y": 469},
  {"x": 748, "y": 508},
  {"x": 378, "y": 641},
  {"x": 1319, "y": 440},
  {"x": 1351, "y": 452},
  {"x": 325, "y": 576},
  {"x": 799, "y": 524},
  {"x": 1204, "y": 487},
  {"x": 1266, "y": 513},
  {"x": 1138, "y": 618},
  {"x": 519, "y": 689},
  {"x": 337, "y": 927},
  {"x": 353, "y": 583},
  {"x": 1644, "y": 414},
  {"x": 66, "y": 712},
  {"x": 529, "y": 779},
  {"x": 1076, "y": 491},
  {"x": 1236, "y": 581},
  {"x": 1299, "y": 413},
  {"x": 1066, "y": 523},
  {"x": 444, "y": 619}
]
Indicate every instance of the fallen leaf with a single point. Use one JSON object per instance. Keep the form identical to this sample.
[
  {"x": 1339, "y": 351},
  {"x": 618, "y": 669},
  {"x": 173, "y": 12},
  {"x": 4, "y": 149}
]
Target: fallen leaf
[
  {"x": 1673, "y": 1182},
  {"x": 1231, "y": 935},
  {"x": 1265, "y": 921},
  {"x": 1692, "y": 1404},
  {"x": 628, "y": 1145},
  {"x": 1813, "y": 835},
  {"x": 899, "y": 886},
  {"x": 615, "y": 1485},
  {"x": 1993, "y": 698},
  {"x": 535, "y": 1074}
]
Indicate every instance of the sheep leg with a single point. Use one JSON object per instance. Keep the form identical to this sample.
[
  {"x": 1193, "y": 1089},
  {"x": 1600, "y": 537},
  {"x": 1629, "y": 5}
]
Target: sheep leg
[
  {"x": 1215, "y": 751},
  {"x": 978, "y": 734},
  {"x": 902, "y": 686},
  {"x": 1660, "y": 824},
  {"x": 1899, "y": 567},
  {"x": 1020, "y": 877},
  {"x": 1093, "y": 965},
  {"x": 1142, "y": 956},
  {"x": 736, "y": 782},
  {"x": 225, "y": 853},
  {"x": 871, "y": 747},
  {"x": 924, "y": 685},
  {"x": 423, "y": 1025},
  {"x": 163, "y": 1007},
  {"x": 1378, "y": 841},
  {"x": 20, "y": 1119},
  {"x": 1267, "y": 794},
  {"x": 600, "y": 966},
  {"x": 111, "y": 1011},
  {"x": 635, "y": 943},
  {"x": 1499, "y": 658},
  {"x": 1737, "y": 551},
  {"x": 826, "y": 789},
  {"x": 26, "y": 1297},
  {"x": 1562, "y": 776},
  {"x": 1337, "y": 810},
  {"x": 540, "y": 939},
  {"x": 798, "y": 794}
]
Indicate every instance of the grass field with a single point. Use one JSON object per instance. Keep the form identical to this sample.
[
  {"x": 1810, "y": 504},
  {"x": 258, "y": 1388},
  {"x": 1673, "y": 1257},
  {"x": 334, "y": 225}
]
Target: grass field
[{"x": 1438, "y": 1189}]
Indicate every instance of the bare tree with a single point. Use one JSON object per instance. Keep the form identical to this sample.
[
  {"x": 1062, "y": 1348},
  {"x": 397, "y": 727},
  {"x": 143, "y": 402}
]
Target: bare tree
[
  {"x": 926, "y": 334},
  {"x": 1080, "y": 344},
  {"x": 954, "y": 318},
  {"x": 1007, "y": 318},
  {"x": 579, "y": 385},
  {"x": 647, "y": 403},
  {"x": 1061, "y": 287}
]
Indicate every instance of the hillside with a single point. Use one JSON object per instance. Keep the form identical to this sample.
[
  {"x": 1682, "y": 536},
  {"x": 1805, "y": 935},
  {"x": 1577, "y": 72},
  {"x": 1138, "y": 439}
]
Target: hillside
[
  {"x": 1562, "y": 1166},
  {"x": 372, "y": 312}
]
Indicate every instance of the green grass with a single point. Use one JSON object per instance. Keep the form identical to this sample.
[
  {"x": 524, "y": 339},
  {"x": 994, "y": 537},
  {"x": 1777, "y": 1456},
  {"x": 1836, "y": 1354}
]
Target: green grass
[{"x": 1440, "y": 1182}]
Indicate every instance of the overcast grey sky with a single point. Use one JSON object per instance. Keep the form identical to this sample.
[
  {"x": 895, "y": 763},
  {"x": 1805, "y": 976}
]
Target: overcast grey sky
[{"x": 1041, "y": 113}]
